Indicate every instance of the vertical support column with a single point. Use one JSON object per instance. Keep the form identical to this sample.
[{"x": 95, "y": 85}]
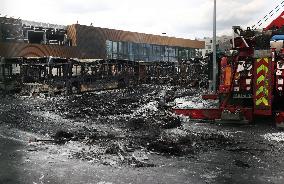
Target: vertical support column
[{"x": 215, "y": 72}]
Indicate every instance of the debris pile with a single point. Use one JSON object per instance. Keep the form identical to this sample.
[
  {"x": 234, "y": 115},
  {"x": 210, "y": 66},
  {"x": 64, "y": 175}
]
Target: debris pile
[{"x": 117, "y": 127}]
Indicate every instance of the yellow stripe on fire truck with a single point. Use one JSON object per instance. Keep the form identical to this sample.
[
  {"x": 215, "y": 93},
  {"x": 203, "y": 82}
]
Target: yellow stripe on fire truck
[
  {"x": 262, "y": 87},
  {"x": 261, "y": 68},
  {"x": 262, "y": 100}
]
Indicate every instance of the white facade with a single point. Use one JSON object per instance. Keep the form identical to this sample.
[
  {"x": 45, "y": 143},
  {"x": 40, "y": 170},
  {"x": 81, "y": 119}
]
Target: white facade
[{"x": 222, "y": 41}]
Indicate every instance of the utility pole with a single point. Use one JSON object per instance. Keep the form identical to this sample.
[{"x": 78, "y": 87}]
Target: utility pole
[{"x": 215, "y": 71}]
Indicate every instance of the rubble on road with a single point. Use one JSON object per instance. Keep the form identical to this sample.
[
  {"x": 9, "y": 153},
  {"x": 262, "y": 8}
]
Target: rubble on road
[{"x": 117, "y": 127}]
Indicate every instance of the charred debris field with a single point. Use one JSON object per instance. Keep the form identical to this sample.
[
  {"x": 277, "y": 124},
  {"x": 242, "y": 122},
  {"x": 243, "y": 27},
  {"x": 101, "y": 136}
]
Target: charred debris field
[{"x": 131, "y": 136}]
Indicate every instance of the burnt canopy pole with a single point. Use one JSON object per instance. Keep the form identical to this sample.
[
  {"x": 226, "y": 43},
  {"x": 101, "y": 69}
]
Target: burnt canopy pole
[{"x": 215, "y": 72}]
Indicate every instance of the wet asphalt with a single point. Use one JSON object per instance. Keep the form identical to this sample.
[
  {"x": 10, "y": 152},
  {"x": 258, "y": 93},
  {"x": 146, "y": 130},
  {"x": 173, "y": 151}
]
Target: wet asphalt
[{"x": 10, "y": 159}]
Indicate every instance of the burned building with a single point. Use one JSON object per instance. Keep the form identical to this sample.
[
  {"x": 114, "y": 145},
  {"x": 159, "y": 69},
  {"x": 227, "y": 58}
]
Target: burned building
[
  {"x": 19, "y": 38},
  {"x": 62, "y": 57}
]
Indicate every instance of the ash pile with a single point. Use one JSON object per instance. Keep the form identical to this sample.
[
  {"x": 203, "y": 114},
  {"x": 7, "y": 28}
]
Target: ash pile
[{"x": 123, "y": 127}]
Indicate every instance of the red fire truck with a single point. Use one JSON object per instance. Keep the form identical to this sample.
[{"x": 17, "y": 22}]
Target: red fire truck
[{"x": 251, "y": 78}]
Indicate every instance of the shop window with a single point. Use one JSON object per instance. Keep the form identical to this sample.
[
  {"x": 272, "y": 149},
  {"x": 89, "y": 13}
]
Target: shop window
[
  {"x": 109, "y": 49},
  {"x": 114, "y": 47},
  {"x": 120, "y": 50}
]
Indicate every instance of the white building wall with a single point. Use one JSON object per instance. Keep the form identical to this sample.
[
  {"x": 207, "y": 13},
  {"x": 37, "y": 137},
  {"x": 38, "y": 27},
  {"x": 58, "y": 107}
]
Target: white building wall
[{"x": 223, "y": 42}]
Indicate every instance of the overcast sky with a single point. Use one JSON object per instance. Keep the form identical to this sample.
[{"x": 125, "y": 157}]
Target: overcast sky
[{"x": 179, "y": 18}]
